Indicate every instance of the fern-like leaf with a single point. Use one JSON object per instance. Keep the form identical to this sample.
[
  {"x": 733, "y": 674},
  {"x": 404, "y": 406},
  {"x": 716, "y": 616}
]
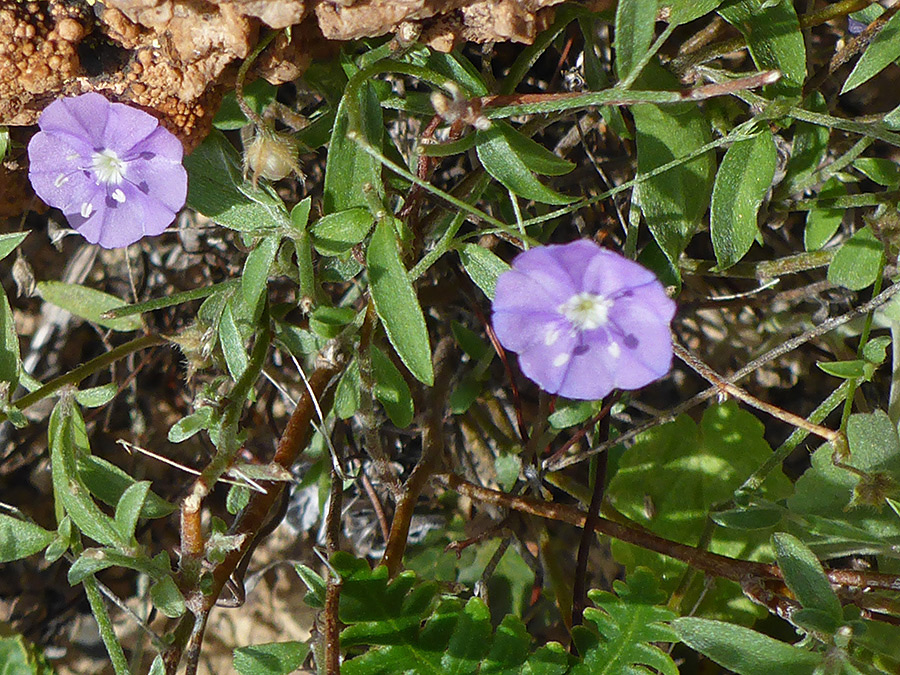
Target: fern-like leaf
[{"x": 617, "y": 637}]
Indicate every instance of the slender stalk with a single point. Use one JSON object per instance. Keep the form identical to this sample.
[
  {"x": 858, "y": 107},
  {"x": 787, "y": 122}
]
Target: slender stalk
[
  {"x": 169, "y": 300},
  {"x": 107, "y": 634}
]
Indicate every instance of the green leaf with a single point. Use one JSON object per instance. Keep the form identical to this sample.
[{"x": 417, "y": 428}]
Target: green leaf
[
  {"x": 673, "y": 202},
  {"x": 742, "y": 650},
  {"x": 232, "y": 344},
  {"x": 570, "y": 413},
  {"x": 19, "y": 657},
  {"x": 328, "y": 322},
  {"x": 93, "y": 560},
  {"x": 742, "y": 181},
  {"x": 397, "y": 305},
  {"x": 755, "y": 517},
  {"x": 824, "y": 494},
  {"x": 337, "y": 233},
  {"x": 216, "y": 189},
  {"x": 187, "y": 426},
  {"x": 256, "y": 272},
  {"x": 129, "y": 508},
  {"x": 314, "y": 583},
  {"x": 535, "y": 156},
  {"x": 4, "y": 141},
  {"x": 347, "y": 395},
  {"x": 10, "y": 242},
  {"x": 273, "y": 658},
  {"x": 107, "y": 482},
  {"x": 167, "y": 598},
  {"x": 823, "y": 222},
  {"x": 391, "y": 389},
  {"x": 845, "y": 369},
  {"x": 87, "y": 303},
  {"x": 68, "y": 438},
  {"x": 348, "y": 169},
  {"x": 707, "y": 463},
  {"x": 880, "y": 170},
  {"x": 635, "y": 25},
  {"x": 483, "y": 267},
  {"x": 94, "y": 397},
  {"x": 10, "y": 361},
  {"x": 507, "y": 467},
  {"x": 882, "y": 52},
  {"x": 804, "y": 575},
  {"x": 858, "y": 262},
  {"x": 808, "y": 148},
  {"x": 685, "y": 11},
  {"x": 775, "y": 41},
  {"x": 258, "y": 95},
  {"x": 501, "y": 160},
  {"x": 20, "y": 539},
  {"x": 628, "y": 624}
]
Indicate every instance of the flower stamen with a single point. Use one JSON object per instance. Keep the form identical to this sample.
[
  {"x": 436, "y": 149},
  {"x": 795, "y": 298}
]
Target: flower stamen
[
  {"x": 108, "y": 167},
  {"x": 586, "y": 311}
]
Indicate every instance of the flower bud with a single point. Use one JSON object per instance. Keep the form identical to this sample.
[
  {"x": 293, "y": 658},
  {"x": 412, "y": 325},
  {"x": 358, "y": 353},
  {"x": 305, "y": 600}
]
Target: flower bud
[{"x": 272, "y": 155}]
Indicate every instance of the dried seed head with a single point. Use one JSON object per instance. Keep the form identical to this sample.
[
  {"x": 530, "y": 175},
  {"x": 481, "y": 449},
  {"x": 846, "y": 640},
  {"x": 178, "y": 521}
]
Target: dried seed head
[{"x": 272, "y": 155}]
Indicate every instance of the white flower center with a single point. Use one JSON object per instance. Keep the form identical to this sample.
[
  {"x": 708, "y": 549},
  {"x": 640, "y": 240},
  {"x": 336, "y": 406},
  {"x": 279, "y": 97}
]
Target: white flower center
[
  {"x": 107, "y": 166},
  {"x": 586, "y": 311}
]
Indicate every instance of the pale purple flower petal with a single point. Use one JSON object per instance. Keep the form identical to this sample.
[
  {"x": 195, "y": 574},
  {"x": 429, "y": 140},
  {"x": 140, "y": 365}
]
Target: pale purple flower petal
[
  {"x": 111, "y": 169},
  {"x": 584, "y": 320}
]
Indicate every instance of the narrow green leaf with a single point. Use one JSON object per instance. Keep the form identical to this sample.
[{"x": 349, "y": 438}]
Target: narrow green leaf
[
  {"x": 10, "y": 242},
  {"x": 775, "y": 41},
  {"x": 808, "y": 148},
  {"x": 129, "y": 508},
  {"x": 348, "y": 169},
  {"x": 92, "y": 560},
  {"x": 215, "y": 174},
  {"x": 534, "y": 155},
  {"x": 20, "y": 539},
  {"x": 391, "y": 389},
  {"x": 742, "y": 181},
  {"x": 347, "y": 395},
  {"x": 256, "y": 272},
  {"x": 858, "y": 262},
  {"x": 232, "y": 344},
  {"x": 882, "y": 171},
  {"x": 685, "y": 11},
  {"x": 314, "y": 583},
  {"x": 107, "y": 482},
  {"x": 674, "y": 202},
  {"x": 67, "y": 438},
  {"x": 397, "y": 305},
  {"x": 273, "y": 658},
  {"x": 10, "y": 361},
  {"x": 483, "y": 267},
  {"x": 87, "y": 303},
  {"x": 328, "y": 322},
  {"x": 882, "y": 52},
  {"x": 500, "y": 160},
  {"x": 742, "y": 650},
  {"x": 752, "y": 518},
  {"x": 804, "y": 575},
  {"x": 823, "y": 222},
  {"x": 635, "y": 25},
  {"x": 94, "y": 397},
  {"x": 189, "y": 425},
  {"x": 845, "y": 369},
  {"x": 167, "y": 598},
  {"x": 338, "y": 232}
]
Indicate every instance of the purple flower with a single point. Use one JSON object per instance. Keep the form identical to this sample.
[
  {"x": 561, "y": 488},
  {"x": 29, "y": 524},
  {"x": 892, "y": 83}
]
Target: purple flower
[
  {"x": 584, "y": 320},
  {"x": 111, "y": 169}
]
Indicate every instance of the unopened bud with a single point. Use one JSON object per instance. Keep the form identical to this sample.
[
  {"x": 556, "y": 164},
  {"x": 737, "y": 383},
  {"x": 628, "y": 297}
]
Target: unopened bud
[{"x": 272, "y": 155}]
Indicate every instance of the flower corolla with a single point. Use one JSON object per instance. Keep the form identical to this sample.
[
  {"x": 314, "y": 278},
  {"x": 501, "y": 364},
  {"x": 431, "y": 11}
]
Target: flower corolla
[
  {"x": 584, "y": 320},
  {"x": 112, "y": 170}
]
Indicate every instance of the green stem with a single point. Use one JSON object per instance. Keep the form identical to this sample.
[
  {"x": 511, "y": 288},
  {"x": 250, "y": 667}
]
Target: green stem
[
  {"x": 169, "y": 300},
  {"x": 107, "y": 634},
  {"x": 645, "y": 59},
  {"x": 75, "y": 376},
  {"x": 894, "y": 400}
]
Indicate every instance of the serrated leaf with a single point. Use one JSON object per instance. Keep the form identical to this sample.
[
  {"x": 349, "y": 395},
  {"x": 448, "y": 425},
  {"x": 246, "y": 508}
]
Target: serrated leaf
[
  {"x": 391, "y": 389},
  {"x": 256, "y": 272},
  {"x": 87, "y": 303},
  {"x": 273, "y": 658},
  {"x": 338, "y": 232},
  {"x": 627, "y": 624},
  {"x": 20, "y": 539},
  {"x": 397, "y": 305},
  {"x": 881, "y": 52},
  {"x": 742, "y": 181},
  {"x": 804, "y": 575},
  {"x": 483, "y": 267},
  {"x": 775, "y": 41},
  {"x": 500, "y": 159},
  {"x": 167, "y": 598},
  {"x": 858, "y": 262},
  {"x": 673, "y": 202},
  {"x": 635, "y": 25},
  {"x": 129, "y": 508},
  {"x": 216, "y": 189}
]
